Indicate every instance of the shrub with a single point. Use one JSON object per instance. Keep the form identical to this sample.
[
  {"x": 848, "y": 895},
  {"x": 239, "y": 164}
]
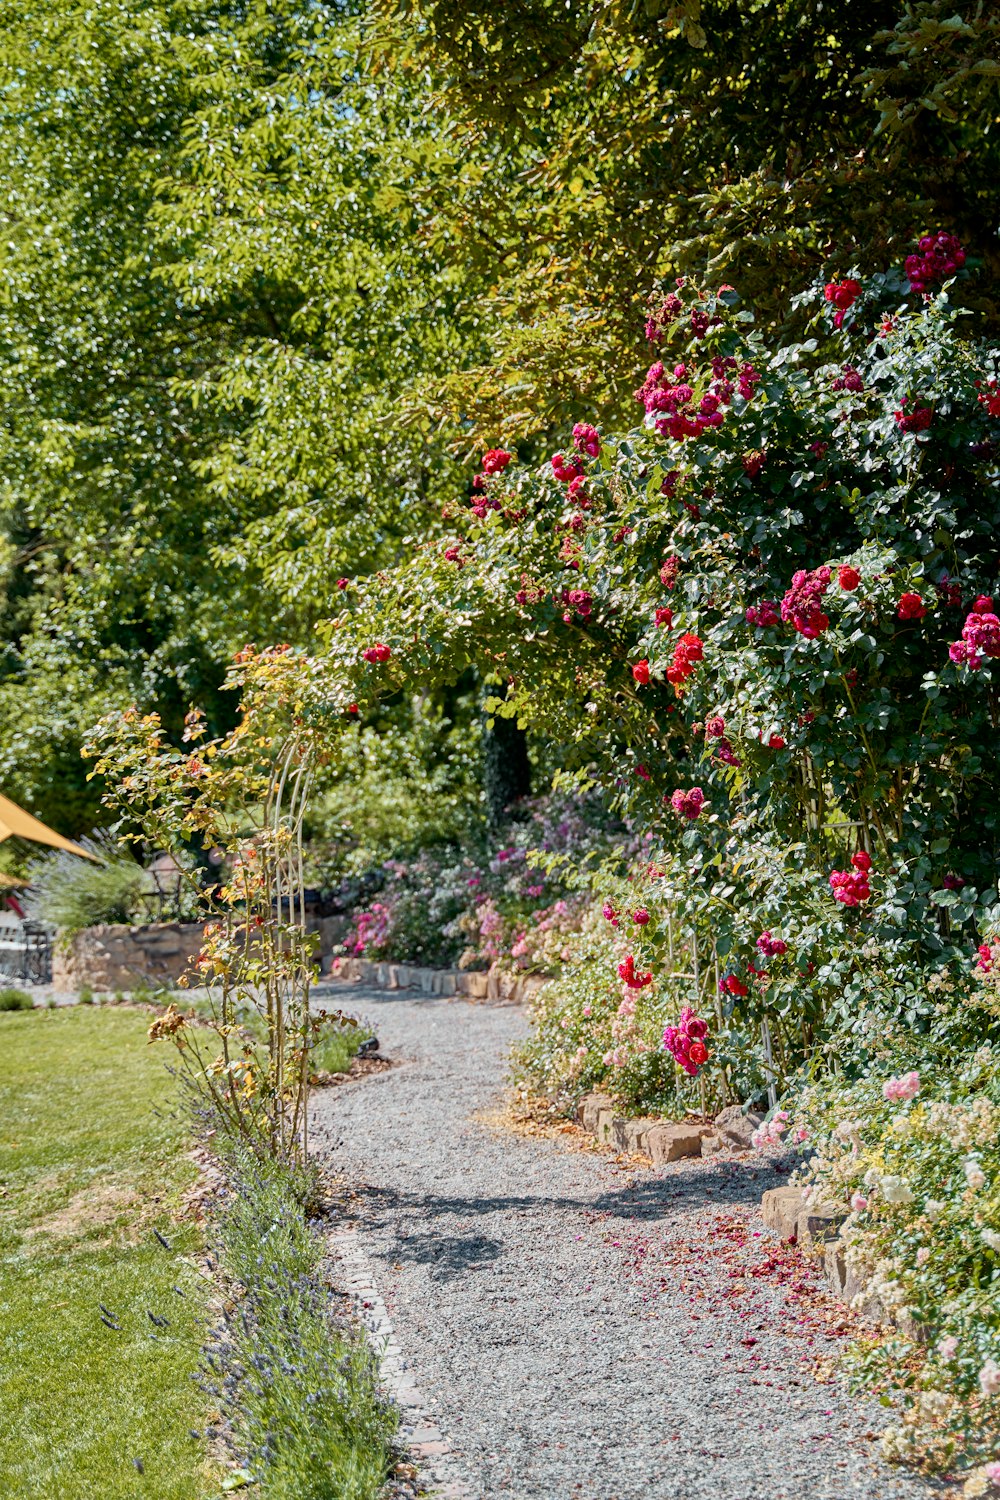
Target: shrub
[
  {"x": 15, "y": 1000},
  {"x": 913, "y": 1149},
  {"x": 301, "y": 1395},
  {"x": 72, "y": 893}
]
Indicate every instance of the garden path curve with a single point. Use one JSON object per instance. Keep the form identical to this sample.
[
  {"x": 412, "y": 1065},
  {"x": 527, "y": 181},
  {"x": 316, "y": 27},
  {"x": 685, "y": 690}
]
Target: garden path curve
[{"x": 580, "y": 1329}]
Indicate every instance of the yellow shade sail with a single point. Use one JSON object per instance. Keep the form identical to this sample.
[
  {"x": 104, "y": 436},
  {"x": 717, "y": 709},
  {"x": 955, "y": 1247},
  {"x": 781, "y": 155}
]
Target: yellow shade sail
[{"x": 16, "y": 823}]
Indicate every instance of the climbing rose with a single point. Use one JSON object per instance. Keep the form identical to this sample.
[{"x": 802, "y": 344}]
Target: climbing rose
[
  {"x": 800, "y": 606},
  {"x": 764, "y": 614},
  {"x": 566, "y": 470},
  {"x": 843, "y": 295},
  {"x": 627, "y": 971},
  {"x": 640, "y": 917},
  {"x": 686, "y": 1041},
  {"x": 849, "y": 379},
  {"x": 907, "y": 1086},
  {"x": 688, "y": 804},
  {"x": 732, "y": 985},
  {"x": 495, "y": 460},
  {"x": 687, "y": 652},
  {"x": 911, "y": 607},
  {"x": 342, "y": 583},
  {"x": 850, "y": 887},
  {"x": 664, "y": 616},
  {"x": 725, "y": 752},
  {"x": 378, "y": 652},
  {"x": 980, "y": 637},
  {"x": 753, "y": 462},
  {"x": 775, "y": 742},
  {"x": 579, "y": 600},
  {"x": 990, "y": 398},
  {"x": 641, "y": 672},
  {"x": 669, "y": 571},
  {"x": 610, "y": 914},
  {"x": 938, "y": 257},
  {"x": 917, "y": 420},
  {"x": 453, "y": 554},
  {"x": 771, "y": 947},
  {"x": 586, "y": 439},
  {"x": 848, "y": 578},
  {"x": 715, "y": 727}
]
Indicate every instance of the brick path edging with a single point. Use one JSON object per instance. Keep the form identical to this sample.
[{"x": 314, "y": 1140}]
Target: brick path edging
[{"x": 426, "y": 1444}]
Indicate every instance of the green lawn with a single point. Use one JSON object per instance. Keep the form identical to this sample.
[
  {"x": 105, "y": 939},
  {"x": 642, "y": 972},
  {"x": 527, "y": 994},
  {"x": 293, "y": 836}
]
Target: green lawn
[{"x": 92, "y": 1158}]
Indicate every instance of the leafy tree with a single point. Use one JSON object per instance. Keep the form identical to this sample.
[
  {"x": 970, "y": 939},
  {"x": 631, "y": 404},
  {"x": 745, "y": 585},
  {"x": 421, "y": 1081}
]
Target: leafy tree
[
  {"x": 611, "y": 144},
  {"x": 215, "y": 292}
]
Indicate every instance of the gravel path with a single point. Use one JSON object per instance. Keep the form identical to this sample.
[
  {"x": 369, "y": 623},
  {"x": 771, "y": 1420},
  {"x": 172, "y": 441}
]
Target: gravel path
[{"x": 580, "y": 1329}]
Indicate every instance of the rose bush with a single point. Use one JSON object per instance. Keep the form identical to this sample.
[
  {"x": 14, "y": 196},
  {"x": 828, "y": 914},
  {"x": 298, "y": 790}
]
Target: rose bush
[{"x": 915, "y": 1157}]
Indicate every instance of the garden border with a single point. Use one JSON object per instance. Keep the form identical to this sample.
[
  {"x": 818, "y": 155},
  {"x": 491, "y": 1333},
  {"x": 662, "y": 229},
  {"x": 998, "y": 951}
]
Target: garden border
[
  {"x": 814, "y": 1227},
  {"x": 494, "y": 984}
]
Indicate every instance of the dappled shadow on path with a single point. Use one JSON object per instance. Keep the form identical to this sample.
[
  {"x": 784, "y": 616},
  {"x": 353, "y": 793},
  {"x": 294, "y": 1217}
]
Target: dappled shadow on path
[{"x": 417, "y": 1221}]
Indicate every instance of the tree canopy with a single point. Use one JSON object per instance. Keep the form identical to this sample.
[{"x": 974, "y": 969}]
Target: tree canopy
[{"x": 272, "y": 276}]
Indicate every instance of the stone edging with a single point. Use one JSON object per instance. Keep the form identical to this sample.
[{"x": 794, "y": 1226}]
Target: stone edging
[
  {"x": 665, "y": 1140},
  {"x": 513, "y": 989},
  {"x": 815, "y": 1228},
  {"x": 425, "y": 1442}
]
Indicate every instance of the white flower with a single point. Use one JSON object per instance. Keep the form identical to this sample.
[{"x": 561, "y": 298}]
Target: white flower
[
  {"x": 992, "y": 1238},
  {"x": 933, "y": 1403},
  {"x": 934, "y": 1208},
  {"x": 947, "y": 1347},
  {"x": 974, "y": 1175},
  {"x": 989, "y": 1378},
  {"x": 894, "y": 1190}
]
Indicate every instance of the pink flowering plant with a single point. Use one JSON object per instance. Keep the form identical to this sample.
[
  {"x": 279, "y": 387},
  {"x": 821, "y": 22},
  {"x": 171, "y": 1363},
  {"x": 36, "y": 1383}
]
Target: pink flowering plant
[
  {"x": 911, "y": 1155},
  {"x": 738, "y": 619}
]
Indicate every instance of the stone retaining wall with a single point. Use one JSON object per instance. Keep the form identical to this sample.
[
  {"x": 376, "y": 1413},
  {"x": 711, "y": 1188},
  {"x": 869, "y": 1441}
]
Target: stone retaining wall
[
  {"x": 120, "y": 957},
  {"x": 495, "y": 985}
]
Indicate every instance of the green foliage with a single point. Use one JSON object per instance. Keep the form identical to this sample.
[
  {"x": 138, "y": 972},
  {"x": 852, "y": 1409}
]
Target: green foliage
[
  {"x": 392, "y": 790},
  {"x": 72, "y": 893},
  {"x": 308, "y": 1420},
  {"x": 93, "y": 1158},
  {"x": 11, "y": 999},
  {"x": 610, "y": 144},
  {"x": 335, "y": 1048}
]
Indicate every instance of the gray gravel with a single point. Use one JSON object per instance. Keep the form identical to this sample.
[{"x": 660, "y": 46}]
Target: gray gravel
[{"x": 583, "y": 1330}]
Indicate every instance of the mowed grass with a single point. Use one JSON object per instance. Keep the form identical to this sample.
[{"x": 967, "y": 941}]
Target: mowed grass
[{"x": 93, "y": 1157}]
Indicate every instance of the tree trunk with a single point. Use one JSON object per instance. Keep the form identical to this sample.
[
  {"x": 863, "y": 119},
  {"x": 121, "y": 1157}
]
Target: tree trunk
[{"x": 506, "y": 769}]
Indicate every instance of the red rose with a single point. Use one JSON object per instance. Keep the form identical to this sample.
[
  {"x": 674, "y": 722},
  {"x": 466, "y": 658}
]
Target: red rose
[
  {"x": 911, "y": 607},
  {"x": 848, "y": 578},
  {"x": 641, "y": 672}
]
